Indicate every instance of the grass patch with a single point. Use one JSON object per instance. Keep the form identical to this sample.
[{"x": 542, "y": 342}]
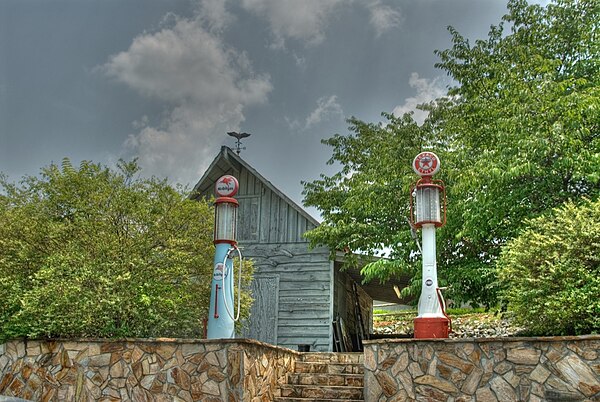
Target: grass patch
[{"x": 408, "y": 313}]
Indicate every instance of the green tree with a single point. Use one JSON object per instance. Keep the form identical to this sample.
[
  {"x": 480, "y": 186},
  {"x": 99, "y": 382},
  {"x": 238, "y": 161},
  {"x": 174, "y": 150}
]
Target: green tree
[
  {"x": 364, "y": 206},
  {"x": 95, "y": 252},
  {"x": 523, "y": 125},
  {"x": 518, "y": 134},
  {"x": 551, "y": 272}
]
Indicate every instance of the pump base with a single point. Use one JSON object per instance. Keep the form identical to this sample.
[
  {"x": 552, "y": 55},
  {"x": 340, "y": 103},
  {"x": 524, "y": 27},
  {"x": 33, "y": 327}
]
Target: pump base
[{"x": 431, "y": 327}]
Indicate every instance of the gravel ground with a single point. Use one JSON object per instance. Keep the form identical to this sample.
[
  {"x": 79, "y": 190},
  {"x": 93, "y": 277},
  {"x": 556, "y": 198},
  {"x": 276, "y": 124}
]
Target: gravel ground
[{"x": 476, "y": 325}]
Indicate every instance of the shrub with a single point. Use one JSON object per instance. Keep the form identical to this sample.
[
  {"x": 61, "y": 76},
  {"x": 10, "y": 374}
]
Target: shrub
[
  {"x": 550, "y": 273},
  {"x": 94, "y": 252}
]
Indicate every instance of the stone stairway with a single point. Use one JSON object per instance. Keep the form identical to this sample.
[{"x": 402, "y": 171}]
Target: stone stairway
[{"x": 325, "y": 377}]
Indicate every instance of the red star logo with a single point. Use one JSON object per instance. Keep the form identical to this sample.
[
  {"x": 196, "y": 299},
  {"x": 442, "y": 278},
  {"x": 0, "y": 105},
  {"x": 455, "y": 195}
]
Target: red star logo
[{"x": 426, "y": 162}]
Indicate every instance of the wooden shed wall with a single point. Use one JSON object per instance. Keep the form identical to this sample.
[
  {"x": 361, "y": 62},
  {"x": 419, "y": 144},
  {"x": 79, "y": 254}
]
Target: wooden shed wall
[
  {"x": 265, "y": 217},
  {"x": 303, "y": 280}
]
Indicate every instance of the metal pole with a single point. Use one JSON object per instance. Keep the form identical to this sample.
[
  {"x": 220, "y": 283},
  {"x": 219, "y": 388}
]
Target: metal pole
[{"x": 429, "y": 305}]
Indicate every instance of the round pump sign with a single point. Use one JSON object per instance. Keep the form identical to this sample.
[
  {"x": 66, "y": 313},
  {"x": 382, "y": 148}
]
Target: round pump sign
[
  {"x": 227, "y": 186},
  {"x": 426, "y": 164}
]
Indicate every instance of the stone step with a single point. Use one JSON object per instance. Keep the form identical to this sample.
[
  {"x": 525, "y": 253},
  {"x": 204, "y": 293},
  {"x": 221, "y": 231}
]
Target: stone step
[
  {"x": 321, "y": 392},
  {"x": 352, "y": 380},
  {"x": 325, "y": 377},
  {"x": 332, "y": 357},
  {"x": 329, "y": 368}
]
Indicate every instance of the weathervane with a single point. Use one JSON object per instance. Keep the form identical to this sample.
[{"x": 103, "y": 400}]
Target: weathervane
[{"x": 238, "y": 136}]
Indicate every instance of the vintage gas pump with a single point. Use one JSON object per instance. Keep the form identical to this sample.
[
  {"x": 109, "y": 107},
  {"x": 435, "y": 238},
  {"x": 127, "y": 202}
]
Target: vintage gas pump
[
  {"x": 428, "y": 212},
  {"x": 220, "y": 315}
]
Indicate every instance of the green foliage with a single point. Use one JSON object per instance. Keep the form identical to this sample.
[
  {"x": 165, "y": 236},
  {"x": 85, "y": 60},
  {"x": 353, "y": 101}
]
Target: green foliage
[
  {"x": 524, "y": 124},
  {"x": 517, "y": 135},
  {"x": 523, "y": 128},
  {"x": 92, "y": 252},
  {"x": 551, "y": 272},
  {"x": 465, "y": 311},
  {"x": 413, "y": 313}
]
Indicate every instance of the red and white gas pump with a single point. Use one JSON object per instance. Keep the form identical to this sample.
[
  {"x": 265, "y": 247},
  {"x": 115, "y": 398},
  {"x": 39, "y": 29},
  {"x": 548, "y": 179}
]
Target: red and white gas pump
[{"x": 428, "y": 212}]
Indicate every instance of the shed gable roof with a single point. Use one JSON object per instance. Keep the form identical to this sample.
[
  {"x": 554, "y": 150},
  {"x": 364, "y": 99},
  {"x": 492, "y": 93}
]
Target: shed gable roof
[{"x": 227, "y": 159}]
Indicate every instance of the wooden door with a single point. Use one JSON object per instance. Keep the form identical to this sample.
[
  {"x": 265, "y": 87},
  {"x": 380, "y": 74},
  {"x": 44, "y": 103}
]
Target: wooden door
[{"x": 264, "y": 312}]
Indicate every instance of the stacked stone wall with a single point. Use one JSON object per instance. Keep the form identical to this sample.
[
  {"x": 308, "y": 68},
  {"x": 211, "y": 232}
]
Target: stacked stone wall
[
  {"x": 483, "y": 370},
  {"x": 144, "y": 370},
  {"x": 452, "y": 370}
]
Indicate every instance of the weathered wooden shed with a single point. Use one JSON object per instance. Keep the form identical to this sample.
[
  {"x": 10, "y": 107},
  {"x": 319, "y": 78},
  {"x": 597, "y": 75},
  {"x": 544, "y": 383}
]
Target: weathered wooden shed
[{"x": 298, "y": 291}]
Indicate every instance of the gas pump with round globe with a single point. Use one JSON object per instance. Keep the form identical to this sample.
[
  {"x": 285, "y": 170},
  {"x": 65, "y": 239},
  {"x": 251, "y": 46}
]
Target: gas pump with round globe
[
  {"x": 221, "y": 317},
  {"x": 428, "y": 212}
]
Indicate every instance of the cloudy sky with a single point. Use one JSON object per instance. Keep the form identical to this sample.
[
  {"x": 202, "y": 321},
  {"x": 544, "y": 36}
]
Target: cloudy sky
[{"x": 164, "y": 80}]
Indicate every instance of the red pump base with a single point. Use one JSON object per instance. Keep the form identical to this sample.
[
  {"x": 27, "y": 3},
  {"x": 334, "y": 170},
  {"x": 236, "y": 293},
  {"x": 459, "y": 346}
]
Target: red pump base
[{"x": 431, "y": 327}]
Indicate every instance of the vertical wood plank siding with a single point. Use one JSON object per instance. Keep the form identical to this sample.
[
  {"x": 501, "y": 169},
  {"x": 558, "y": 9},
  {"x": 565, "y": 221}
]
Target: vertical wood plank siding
[
  {"x": 345, "y": 299},
  {"x": 265, "y": 290},
  {"x": 273, "y": 227},
  {"x": 265, "y": 217},
  {"x": 275, "y": 220}
]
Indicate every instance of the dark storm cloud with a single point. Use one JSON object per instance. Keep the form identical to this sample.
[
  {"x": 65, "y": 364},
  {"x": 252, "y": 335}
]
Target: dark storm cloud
[{"x": 165, "y": 80}]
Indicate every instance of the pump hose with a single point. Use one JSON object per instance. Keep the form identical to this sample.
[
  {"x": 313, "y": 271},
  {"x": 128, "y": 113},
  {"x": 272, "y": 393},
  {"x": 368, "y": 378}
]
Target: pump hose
[
  {"x": 443, "y": 305},
  {"x": 229, "y": 313}
]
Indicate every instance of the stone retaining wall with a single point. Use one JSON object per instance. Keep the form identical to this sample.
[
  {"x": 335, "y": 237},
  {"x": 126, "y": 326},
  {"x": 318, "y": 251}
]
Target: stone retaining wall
[
  {"x": 144, "y": 370},
  {"x": 453, "y": 370},
  {"x": 483, "y": 370}
]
